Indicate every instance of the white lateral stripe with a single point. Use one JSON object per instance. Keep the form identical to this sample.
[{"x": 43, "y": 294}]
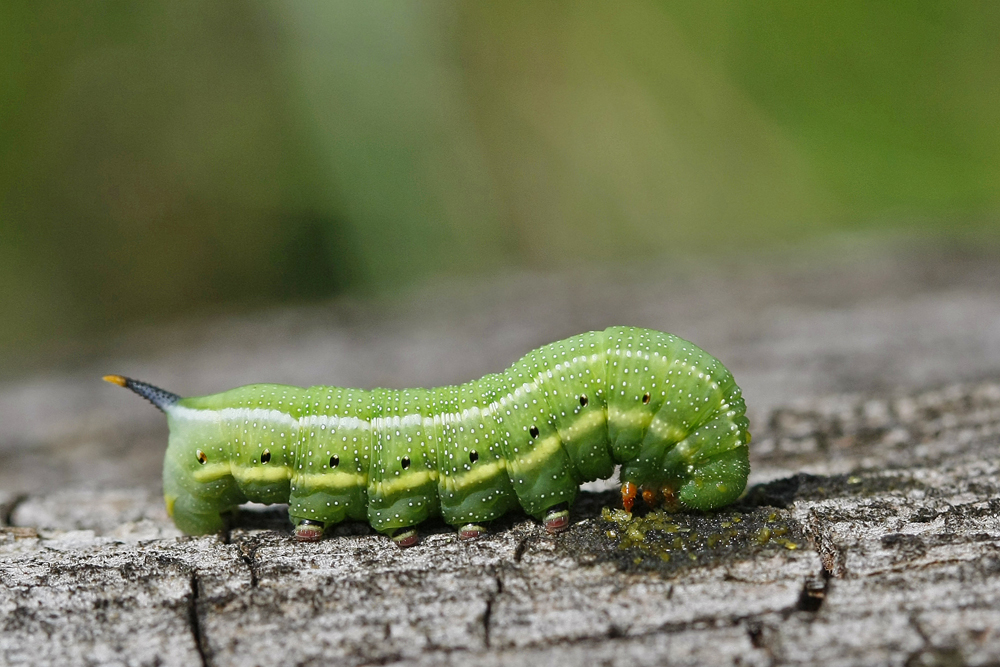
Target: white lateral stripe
[
  {"x": 334, "y": 422},
  {"x": 261, "y": 415},
  {"x": 233, "y": 414}
]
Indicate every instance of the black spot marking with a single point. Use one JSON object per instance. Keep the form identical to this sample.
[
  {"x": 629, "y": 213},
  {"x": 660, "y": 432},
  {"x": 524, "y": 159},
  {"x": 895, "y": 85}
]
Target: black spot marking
[
  {"x": 405, "y": 462},
  {"x": 645, "y": 398},
  {"x": 265, "y": 456},
  {"x": 334, "y": 461},
  {"x": 473, "y": 456},
  {"x": 533, "y": 431},
  {"x": 202, "y": 459},
  {"x": 583, "y": 400}
]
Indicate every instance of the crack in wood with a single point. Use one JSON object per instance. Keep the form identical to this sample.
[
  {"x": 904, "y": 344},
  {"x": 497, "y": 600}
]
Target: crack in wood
[
  {"x": 248, "y": 554},
  {"x": 522, "y": 545},
  {"x": 488, "y": 614},
  {"x": 194, "y": 620}
]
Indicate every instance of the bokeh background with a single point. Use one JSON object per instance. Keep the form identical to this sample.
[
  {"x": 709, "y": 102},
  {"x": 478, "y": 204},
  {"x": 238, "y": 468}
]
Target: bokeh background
[{"x": 166, "y": 158}]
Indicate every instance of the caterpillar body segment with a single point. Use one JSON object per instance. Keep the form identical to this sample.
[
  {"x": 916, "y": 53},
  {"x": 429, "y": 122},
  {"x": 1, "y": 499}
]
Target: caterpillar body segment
[
  {"x": 332, "y": 471},
  {"x": 473, "y": 482},
  {"x": 664, "y": 410}
]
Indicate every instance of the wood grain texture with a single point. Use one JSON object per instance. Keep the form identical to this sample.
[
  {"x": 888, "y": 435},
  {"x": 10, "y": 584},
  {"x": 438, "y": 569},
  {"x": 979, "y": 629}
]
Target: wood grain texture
[{"x": 887, "y": 490}]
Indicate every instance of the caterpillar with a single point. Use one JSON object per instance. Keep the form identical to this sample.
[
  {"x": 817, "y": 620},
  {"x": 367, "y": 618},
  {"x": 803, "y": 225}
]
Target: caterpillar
[{"x": 666, "y": 412}]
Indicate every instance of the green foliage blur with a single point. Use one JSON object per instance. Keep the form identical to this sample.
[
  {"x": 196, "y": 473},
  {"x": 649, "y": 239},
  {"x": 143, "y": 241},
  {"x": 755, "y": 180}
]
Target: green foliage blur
[{"x": 168, "y": 157}]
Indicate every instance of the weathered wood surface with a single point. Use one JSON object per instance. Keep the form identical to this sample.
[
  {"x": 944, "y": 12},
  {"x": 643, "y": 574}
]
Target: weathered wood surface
[{"x": 871, "y": 536}]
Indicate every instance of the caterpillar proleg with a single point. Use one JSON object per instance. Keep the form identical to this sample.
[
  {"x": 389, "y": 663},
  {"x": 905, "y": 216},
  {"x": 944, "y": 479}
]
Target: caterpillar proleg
[{"x": 664, "y": 410}]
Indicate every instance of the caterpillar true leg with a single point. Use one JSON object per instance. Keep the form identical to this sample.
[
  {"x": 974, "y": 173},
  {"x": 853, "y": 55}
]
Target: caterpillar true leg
[
  {"x": 670, "y": 502},
  {"x": 629, "y": 492}
]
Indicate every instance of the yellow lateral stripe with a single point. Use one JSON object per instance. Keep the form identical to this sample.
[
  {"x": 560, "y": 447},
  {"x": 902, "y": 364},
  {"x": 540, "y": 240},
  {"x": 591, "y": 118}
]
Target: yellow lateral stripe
[
  {"x": 584, "y": 424},
  {"x": 212, "y": 472},
  {"x": 665, "y": 431},
  {"x": 542, "y": 451},
  {"x": 477, "y": 474},
  {"x": 410, "y": 481},
  {"x": 332, "y": 480},
  {"x": 639, "y": 416},
  {"x": 262, "y": 473}
]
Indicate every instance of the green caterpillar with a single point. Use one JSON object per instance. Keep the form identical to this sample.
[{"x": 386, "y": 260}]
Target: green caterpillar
[{"x": 669, "y": 413}]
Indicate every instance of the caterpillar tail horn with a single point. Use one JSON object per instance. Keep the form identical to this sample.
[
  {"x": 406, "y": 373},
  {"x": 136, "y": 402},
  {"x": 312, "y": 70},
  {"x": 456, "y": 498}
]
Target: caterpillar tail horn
[{"x": 161, "y": 398}]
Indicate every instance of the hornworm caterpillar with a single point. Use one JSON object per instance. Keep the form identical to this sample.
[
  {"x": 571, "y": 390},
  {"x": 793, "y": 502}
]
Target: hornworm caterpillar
[{"x": 669, "y": 413}]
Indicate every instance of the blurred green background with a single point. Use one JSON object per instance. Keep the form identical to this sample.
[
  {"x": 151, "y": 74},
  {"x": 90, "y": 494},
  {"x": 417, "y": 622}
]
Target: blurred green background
[{"x": 165, "y": 158}]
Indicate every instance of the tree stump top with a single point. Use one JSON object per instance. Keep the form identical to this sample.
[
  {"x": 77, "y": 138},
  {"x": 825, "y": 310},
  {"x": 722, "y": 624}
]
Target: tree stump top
[{"x": 870, "y": 535}]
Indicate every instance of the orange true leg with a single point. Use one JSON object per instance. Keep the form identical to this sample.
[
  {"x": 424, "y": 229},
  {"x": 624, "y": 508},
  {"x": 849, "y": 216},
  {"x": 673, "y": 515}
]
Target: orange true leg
[
  {"x": 670, "y": 502},
  {"x": 650, "y": 496},
  {"x": 629, "y": 491}
]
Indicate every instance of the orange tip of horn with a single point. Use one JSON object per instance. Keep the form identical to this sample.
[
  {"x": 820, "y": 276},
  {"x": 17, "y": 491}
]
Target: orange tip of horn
[{"x": 116, "y": 379}]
